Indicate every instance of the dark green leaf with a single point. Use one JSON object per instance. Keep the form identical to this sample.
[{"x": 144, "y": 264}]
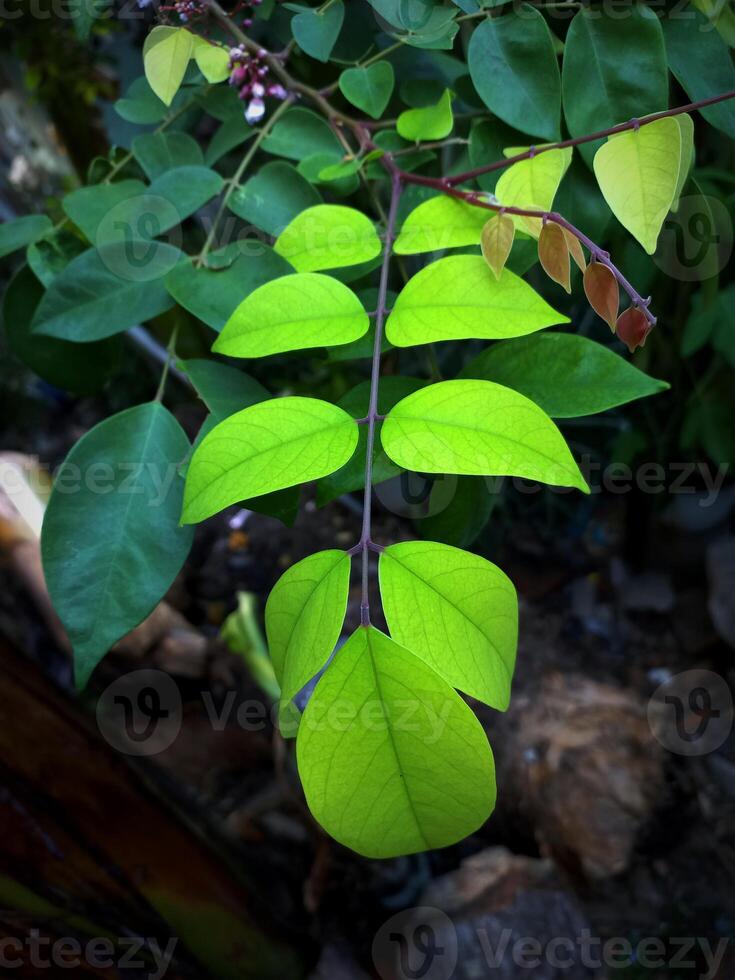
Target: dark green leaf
[
  {"x": 316, "y": 31},
  {"x": 462, "y": 519},
  {"x": 104, "y": 292},
  {"x": 112, "y": 213},
  {"x": 369, "y": 88},
  {"x": 140, "y": 104},
  {"x": 79, "y": 368},
  {"x": 564, "y": 374},
  {"x": 273, "y": 197},
  {"x": 113, "y": 520},
  {"x": 702, "y": 64},
  {"x": 614, "y": 69},
  {"x": 224, "y": 389},
  {"x": 212, "y": 294},
  {"x": 300, "y": 133},
  {"x": 159, "y": 152},
  {"x": 22, "y": 231},
  {"x": 514, "y": 69}
]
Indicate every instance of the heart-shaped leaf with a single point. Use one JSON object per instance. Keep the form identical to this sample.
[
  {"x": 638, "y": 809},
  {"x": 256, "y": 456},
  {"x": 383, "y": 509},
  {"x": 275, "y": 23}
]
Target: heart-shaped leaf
[
  {"x": 316, "y": 31},
  {"x": 368, "y": 88}
]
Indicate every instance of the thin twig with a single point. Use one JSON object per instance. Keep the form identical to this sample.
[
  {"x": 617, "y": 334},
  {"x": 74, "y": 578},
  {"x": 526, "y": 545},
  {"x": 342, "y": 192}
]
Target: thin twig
[{"x": 365, "y": 544}]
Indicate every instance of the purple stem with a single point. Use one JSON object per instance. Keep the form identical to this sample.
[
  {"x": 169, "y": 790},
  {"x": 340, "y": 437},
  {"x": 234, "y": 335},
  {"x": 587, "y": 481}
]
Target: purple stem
[
  {"x": 590, "y": 137},
  {"x": 598, "y": 255},
  {"x": 365, "y": 544}
]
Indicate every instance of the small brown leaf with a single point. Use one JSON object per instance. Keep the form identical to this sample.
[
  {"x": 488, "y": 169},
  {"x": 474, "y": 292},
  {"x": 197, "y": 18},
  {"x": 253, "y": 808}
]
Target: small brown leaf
[
  {"x": 575, "y": 249},
  {"x": 601, "y": 289},
  {"x": 633, "y": 328},
  {"x": 553, "y": 254},
  {"x": 496, "y": 241}
]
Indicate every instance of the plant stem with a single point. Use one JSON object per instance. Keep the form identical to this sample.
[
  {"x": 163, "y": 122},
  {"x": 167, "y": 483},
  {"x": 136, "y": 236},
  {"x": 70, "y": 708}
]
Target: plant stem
[
  {"x": 598, "y": 255},
  {"x": 170, "y": 355},
  {"x": 589, "y": 138},
  {"x": 234, "y": 181},
  {"x": 365, "y": 544}
]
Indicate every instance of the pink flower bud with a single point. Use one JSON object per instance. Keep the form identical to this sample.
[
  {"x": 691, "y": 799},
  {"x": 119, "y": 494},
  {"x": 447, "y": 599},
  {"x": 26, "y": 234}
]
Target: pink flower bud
[{"x": 277, "y": 91}]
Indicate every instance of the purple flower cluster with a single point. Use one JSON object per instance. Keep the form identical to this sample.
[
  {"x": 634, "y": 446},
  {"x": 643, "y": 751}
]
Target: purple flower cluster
[
  {"x": 186, "y": 9},
  {"x": 248, "y": 73}
]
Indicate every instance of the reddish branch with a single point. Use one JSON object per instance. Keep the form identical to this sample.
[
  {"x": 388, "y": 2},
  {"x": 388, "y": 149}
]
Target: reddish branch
[{"x": 447, "y": 185}]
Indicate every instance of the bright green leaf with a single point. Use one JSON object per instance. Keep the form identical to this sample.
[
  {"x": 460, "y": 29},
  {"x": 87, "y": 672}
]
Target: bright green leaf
[
  {"x": 212, "y": 60},
  {"x": 686, "y": 155},
  {"x": 113, "y": 520},
  {"x": 266, "y": 447},
  {"x": 638, "y": 172},
  {"x": 439, "y": 223},
  {"x": 533, "y": 184},
  {"x": 456, "y": 611},
  {"x": 166, "y": 54},
  {"x": 293, "y": 313},
  {"x": 368, "y": 88},
  {"x": 433, "y": 122},
  {"x": 304, "y": 616},
  {"x": 100, "y": 293},
  {"x": 273, "y": 197},
  {"x": 566, "y": 375},
  {"x": 391, "y": 759},
  {"x": 339, "y": 171},
  {"x": 459, "y": 297},
  {"x": 513, "y": 66},
  {"x": 478, "y": 428},
  {"x": 328, "y": 236}
]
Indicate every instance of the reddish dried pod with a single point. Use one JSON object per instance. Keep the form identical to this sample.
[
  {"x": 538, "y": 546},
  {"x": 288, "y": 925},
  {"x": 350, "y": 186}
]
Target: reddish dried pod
[
  {"x": 575, "y": 249},
  {"x": 553, "y": 254},
  {"x": 601, "y": 289},
  {"x": 633, "y": 328},
  {"x": 496, "y": 241}
]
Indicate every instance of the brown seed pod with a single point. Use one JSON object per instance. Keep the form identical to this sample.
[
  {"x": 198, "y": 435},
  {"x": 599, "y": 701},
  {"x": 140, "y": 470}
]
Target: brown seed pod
[
  {"x": 575, "y": 249},
  {"x": 633, "y": 328},
  {"x": 601, "y": 289},
  {"x": 496, "y": 241},
  {"x": 553, "y": 254}
]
